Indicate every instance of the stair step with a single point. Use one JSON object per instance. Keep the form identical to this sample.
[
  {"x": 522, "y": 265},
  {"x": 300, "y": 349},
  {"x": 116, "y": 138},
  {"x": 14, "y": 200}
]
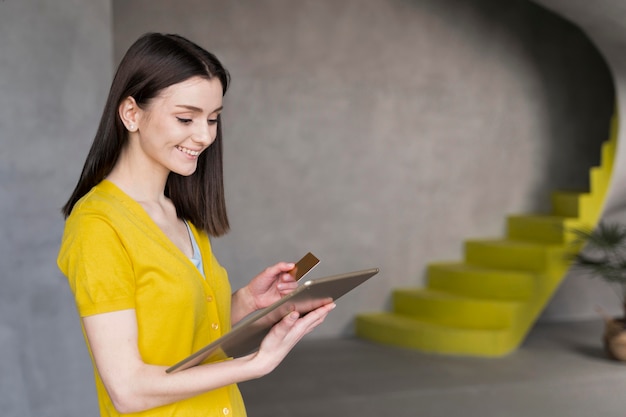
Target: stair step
[
  {"x": 590, "y": 207},
  {"x": 599, "y": 178},
  {"x": 608, "y": 146},
  {"x": 401, "y": 331},
  {"x": 453, "y": 310},
  {"x": 472, "y": 281},
  {"x": 608, "y": 152},
  {"x": 485, "y": 305},
  {"x": 541, "y": 228},
  {"x": 517, "y": 255},
  {"x": 566, "y": 203}
]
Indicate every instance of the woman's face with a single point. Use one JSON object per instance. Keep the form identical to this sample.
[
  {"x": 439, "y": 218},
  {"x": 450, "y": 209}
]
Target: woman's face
[{"x": 179, "y": 124}]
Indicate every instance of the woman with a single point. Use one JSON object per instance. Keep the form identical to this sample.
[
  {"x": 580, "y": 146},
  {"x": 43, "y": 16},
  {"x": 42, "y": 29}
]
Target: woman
[{"x": 136, "y": 247}]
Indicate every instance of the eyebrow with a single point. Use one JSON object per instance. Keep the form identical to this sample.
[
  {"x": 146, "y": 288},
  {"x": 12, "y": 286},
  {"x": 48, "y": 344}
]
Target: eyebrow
[{"x": 198, "y": 109}]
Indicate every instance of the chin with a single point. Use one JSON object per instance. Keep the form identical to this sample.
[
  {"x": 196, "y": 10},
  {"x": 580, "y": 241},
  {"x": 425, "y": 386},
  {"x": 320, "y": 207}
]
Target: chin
[{"x": 184, "y": 172}]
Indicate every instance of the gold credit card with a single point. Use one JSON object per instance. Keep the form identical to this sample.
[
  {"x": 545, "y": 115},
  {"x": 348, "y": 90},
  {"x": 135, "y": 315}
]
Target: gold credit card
[{"x": 304, "y": 265}]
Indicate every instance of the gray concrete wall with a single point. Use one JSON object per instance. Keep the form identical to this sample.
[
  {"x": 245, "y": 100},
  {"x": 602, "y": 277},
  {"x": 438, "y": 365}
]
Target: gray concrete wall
[
  {"x": 55, "y": 67},
  {"x": 604, "y": 22},
  {"x": 385, "y": 133},
  {"x": 373, "y": 133}
]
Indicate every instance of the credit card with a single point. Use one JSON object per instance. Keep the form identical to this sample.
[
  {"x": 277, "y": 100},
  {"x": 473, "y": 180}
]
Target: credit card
[{"x": 304, "y": 265}]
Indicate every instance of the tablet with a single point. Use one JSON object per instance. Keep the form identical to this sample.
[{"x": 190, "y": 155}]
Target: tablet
[{"x": 247, "y": 335}]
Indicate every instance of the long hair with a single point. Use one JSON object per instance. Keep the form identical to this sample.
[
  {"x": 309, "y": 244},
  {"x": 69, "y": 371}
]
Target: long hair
[{"x": 154, "y": 62}]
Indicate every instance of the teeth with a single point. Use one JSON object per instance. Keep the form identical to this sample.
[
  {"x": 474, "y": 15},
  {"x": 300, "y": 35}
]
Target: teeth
[{"x": 188, "y": 151}]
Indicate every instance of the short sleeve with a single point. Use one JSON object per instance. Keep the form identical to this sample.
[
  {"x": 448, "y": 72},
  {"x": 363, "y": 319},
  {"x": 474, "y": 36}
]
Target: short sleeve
[{"x": 97, "y": 266}]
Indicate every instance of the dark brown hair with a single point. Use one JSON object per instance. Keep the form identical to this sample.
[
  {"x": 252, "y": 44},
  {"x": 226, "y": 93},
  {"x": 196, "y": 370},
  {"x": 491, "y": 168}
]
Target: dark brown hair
[{"x": 154, "y": 62}]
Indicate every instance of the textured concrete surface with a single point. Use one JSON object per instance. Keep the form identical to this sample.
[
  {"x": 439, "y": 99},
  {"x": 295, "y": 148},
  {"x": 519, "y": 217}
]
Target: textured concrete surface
[
  {"x": 55, "y": 61},
  {"x": 604, "y": 22},
  {"x": 369, "y": 132},
  {"x": 561, "y": 370},
  {"x": 13, "y": 390},
  {"x": 384, "y": 133}
]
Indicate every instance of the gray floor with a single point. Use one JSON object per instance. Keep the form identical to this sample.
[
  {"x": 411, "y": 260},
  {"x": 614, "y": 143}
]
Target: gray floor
[{"x": 560, "y": 370}]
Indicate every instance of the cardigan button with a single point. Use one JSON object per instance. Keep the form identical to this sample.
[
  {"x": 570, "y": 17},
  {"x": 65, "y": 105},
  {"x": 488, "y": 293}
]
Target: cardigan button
[{"x": 209, "y": 298}]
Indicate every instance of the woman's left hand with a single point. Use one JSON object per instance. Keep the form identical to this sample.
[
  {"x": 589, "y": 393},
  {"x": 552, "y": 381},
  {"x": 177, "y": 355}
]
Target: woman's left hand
[{"x": 264, "y": 289}]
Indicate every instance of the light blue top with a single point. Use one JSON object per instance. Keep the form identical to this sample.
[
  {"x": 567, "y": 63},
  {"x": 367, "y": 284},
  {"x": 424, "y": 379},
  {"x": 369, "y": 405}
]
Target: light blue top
[{"x": 196, "y": 259}]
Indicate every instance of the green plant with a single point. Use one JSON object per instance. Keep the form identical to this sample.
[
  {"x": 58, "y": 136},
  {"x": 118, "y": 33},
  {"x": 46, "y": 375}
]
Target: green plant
[{"x": 603, "y": 255}]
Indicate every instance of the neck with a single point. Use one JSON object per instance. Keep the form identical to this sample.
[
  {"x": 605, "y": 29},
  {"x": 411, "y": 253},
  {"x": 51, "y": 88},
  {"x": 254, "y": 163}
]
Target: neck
[{"x": 142, "y": 181}]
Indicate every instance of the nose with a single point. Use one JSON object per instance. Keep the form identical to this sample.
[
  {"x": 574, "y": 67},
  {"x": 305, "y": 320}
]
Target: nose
[{"x": 205, "y": 134}]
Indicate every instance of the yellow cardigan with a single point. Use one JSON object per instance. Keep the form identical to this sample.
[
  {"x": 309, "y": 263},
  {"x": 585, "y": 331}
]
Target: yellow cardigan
[{"x": 115, "y": 258}]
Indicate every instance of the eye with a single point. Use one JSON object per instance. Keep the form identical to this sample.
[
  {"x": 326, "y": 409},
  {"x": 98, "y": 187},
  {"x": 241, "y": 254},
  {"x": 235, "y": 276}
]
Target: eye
[
  {"x": 183, "y": 121},
  {"x": 212, "y": 121}
]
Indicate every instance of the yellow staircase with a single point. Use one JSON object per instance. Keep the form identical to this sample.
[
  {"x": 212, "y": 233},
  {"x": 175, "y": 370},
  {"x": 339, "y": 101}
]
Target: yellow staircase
[{"x": 486, "y": 305}]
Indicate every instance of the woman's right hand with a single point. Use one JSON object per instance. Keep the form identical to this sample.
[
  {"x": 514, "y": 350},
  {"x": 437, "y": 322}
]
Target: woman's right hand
[{"x": 285, "y": 335}]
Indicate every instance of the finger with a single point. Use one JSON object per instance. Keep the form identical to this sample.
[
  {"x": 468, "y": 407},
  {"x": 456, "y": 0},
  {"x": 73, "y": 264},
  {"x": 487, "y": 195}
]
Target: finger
[
  {"x": 287, "y": 277},
  {"x": 292, "y": 327},
  {"x": 283, "y": 267},
  {"x": 286, "y": 287},
  {"x": 286, "y": 282},
  {"x": 283, "y": 327},
  {"x": 277, "y": 270},
  {"x": 313, "y": 324},
  {"x": 315, "y": 317},
  {"x": 289, "y": 331},
  {"x": 278, "y": 342}
]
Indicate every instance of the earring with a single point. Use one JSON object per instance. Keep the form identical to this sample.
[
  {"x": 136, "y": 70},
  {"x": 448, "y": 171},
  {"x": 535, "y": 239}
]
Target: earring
[{"x": 131, "y": 128}]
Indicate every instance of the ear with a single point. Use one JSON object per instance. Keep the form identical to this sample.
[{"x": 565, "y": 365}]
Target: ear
[{"x": 128, "y": 112}]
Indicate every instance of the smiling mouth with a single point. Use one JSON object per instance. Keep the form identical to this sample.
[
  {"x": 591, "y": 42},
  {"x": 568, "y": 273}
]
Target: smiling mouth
[{"x": 188, "y": 151}]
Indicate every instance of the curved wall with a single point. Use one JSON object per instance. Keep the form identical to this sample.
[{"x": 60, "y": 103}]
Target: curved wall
[
  {"x": 604, "y": 22},
  {"x": 384, "y": 133},
  {"x": 370, "y": 132}
]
